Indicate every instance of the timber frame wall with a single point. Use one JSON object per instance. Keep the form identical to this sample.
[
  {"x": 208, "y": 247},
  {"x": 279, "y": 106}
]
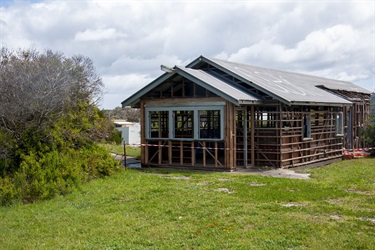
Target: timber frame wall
[
  {"x": 283, "y": 136},
  {"x": 273, "y": 134},
  {"x": 187, "y": 152}
]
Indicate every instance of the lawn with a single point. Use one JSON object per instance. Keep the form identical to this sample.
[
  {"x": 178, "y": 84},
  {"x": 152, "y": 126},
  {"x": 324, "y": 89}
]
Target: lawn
[
  {"x": 132, "y": 151},
  {"x": 170, "y": 209}
]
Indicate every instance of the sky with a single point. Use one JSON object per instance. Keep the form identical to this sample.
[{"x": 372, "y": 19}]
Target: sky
[{"x": 129, "y": 40}]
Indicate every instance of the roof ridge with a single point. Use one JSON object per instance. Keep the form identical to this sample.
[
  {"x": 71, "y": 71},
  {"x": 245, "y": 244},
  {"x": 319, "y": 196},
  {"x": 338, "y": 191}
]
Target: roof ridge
[{"x": 275, "y": 70}]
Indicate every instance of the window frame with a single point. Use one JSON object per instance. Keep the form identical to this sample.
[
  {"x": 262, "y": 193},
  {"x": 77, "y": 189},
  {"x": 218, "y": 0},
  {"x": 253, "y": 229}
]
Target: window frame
[
  {"x": 196, "y": 121},
  {"x": 339, "y": 124},
  {"x": 160, "y": 123},
  {"x": 209, "y": 116},
  {"x": 306, "y": 127}
]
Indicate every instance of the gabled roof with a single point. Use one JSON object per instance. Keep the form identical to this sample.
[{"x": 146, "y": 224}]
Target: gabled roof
[
  {"x": 207, "y": 81},
  {"x": 217, "y": 86},
  {"x": 286, "y": 87}
]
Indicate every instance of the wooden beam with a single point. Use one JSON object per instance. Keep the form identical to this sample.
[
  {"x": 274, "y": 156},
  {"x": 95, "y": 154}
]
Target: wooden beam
[
  {"x": 204, "y": 154},
  {"x": 252, "y": 145},
  {"x": 160, "y": 152},
  {"x": 170, "y": 152},
  {"x": 181, "y": 153},
  {"x": 144, "y": 150},
  {"x": 216, "y": 155},
  {"x": 192, "y": 154},
  {"x": 245, "y": 138}
]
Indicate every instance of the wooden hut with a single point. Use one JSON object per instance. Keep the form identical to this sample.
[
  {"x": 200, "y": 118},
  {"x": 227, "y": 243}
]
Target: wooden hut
[{"x": 216, "y": 114}]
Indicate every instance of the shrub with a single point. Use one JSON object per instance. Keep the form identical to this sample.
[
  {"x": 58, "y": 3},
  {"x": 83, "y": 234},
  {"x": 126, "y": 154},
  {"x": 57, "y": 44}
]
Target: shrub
[
  {"x": 8, "y": 191},
  {"x": 115, "y": 137},
  {"x": 49, "y": 125},
  {"x": 45, "y": 175}
]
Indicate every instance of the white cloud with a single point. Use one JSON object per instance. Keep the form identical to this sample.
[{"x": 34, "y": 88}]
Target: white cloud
[
  {"x": 120, "y": 87},
  {"x": 322, "y": 52},
  {"x": 129, "y": 40},
  {"x": 98, "y": 34}
]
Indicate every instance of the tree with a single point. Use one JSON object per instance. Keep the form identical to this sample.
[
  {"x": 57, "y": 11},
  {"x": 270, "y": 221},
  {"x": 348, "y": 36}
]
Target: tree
[
  {"x": 368, "y": 133},
  {"x": 48, "y": 108},
  {"x": 36, "y": 89},
  {"x": 128, "y": 114}
]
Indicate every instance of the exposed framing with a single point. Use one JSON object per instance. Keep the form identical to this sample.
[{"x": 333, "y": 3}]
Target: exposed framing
[
  {"x": 181, "y": 116},
  {"x": 185, "y": 122}
]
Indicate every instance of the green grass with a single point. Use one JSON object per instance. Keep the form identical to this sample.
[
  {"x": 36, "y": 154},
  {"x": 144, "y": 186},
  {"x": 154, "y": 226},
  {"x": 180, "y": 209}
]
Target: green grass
[
  {"x": 119, "y": 149},
  {"x": 170, "y": 209}
]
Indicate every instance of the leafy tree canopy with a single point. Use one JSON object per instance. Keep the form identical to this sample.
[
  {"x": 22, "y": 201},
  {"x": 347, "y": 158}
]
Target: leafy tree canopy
[{"x": 48, "y": 109}]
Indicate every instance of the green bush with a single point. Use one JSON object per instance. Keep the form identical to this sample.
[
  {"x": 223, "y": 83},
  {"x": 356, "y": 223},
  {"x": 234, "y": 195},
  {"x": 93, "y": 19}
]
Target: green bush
[
  {"x": 42, "y": 176},
  {"x": 98, "y": 162},
  {"x": 47, "y": 143},
  {"x": 368, "y": 133},
  {"x": 115, "y": 136},
  {"x": 45, "y": 175},
  {"x": 8, "y": 191}
]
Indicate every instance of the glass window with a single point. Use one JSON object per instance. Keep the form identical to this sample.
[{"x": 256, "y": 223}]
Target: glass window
[{"x": 209, "y": 124}]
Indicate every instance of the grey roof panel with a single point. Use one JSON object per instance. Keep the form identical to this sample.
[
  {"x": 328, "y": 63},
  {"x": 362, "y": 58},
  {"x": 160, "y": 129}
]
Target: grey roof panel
[
  {"x": 216, "y": 85},
  {"x": 286, "y": 86}
]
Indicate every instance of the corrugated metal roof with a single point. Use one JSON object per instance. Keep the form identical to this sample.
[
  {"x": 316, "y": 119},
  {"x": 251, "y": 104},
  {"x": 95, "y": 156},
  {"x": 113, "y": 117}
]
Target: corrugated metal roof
[
  {"x": 287, "y": 86},
  {"x": 216, "y": 86}
]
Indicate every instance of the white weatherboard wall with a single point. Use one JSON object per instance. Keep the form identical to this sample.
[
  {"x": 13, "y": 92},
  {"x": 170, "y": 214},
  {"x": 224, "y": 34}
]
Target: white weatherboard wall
[{"x": 131, "y": 134}]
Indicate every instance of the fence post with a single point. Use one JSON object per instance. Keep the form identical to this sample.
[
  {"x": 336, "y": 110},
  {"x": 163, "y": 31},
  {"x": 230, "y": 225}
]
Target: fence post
[{"x": 124, "y": 154}]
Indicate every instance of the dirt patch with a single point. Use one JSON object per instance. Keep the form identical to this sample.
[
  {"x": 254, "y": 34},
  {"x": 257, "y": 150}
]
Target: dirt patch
[
  {"x": 223, "y": 179},
  {"x": 256, "y": 184},
  {"x": 359, "y": 192},
  {"x": 367, "y": 219},
  {"x": 293, "y": 204},
  {"x": 178, "y": 177},
  {"x": 280, "y": 173},
  {"x": 172, "y": 177},
  {"x": 335, "y": 217},
  {"x": 226, "y": 190},
  {"x": 204, "y": 183}
]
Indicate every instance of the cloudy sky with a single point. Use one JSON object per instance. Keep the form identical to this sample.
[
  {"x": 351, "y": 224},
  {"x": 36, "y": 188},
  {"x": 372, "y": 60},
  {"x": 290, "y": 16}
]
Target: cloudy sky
[{"x": 129, "y": 40}]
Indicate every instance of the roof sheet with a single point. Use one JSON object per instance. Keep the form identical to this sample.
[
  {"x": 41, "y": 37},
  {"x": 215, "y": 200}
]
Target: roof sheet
[
  {"x": 288, "y": 86},
  {"x": 217, "y": 86}
]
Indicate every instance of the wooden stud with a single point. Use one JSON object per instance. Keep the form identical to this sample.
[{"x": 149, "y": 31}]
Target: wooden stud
[
  {"x": 216, "y": 155},
  {"x": 160, "y": 152},
  {"x": 181, "y": 153},
  {"x": 204, "y": 154},
  {"x": 144, "y": 151},
  {"x": 170, "y": 152},
  {"x": 252, "y": 145},
  {"x": 192, "y": 154}
]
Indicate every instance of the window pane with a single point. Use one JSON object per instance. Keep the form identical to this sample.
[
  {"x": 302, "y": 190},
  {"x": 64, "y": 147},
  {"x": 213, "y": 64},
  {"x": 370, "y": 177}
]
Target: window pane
[
  {"x": 339, "y": 124},
  {"x": 159, "y": 124},
  {"x": 184, "y": 124},
  {"x": 209, "y": 124}
]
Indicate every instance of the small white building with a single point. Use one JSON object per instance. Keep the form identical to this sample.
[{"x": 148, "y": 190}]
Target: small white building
[{"x": 130, "y": 131}]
